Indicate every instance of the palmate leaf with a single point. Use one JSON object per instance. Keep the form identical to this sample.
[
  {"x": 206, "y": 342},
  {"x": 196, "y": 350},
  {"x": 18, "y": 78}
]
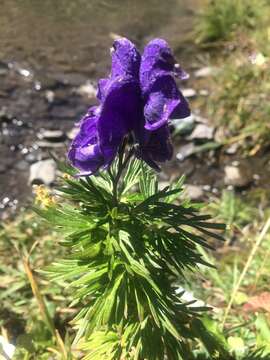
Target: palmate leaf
[{"x": 126, "y": 250}]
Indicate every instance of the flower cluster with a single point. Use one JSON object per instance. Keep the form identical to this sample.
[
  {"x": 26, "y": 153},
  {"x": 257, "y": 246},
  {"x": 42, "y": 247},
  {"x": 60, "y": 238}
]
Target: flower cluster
[{"x": 139, "y": 97}]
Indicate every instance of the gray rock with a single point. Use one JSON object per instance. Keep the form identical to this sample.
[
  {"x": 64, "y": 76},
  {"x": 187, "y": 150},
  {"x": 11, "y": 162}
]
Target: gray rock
[
  {"x": 189, "y": 92},
  {"x": 31, "y": 158},
  {"x": 205, "y": 72},
  {"x": 49, "y": 144},
  {"x": 25, "y": 72},
  {"x": 43, "y": 172},
  {"x": 207, "y": 187},
  {"x": 88, "y": 89},
  {"x": 194, "y": 192},
  {"x": 185, "y": 151},
  {"x": 237, "y": 176},
  {"x": 37, "y": 85},
  {"x": 204, "y": 92},
  {"x": 232, "y": 149},
  {"x": 51, "y": 135},
  {"x": 50, "y": 96},
  {"x": 184, "y": 126},
  {"x": 202, "y": 132}
]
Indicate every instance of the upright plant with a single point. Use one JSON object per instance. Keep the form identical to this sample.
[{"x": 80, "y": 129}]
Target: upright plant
[{"x": 130, "y": 243}]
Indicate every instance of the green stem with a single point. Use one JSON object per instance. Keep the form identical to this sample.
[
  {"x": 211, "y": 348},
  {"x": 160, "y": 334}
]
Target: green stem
[{"x": 121, "y": 166}]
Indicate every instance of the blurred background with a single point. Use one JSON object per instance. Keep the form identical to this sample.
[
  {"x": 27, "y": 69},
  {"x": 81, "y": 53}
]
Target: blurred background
[{"x": 51, "y": 55}]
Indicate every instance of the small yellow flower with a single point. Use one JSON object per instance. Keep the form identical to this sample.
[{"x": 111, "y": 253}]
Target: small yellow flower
[
  {"x": 43, "y": 196},
  {"x": 67, "y": 176}
]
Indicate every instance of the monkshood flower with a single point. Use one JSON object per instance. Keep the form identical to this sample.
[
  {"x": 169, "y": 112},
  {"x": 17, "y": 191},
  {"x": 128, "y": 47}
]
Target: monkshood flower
[
  {"x": 139, "y": 97},
  {"x": 161, "y": 101}
]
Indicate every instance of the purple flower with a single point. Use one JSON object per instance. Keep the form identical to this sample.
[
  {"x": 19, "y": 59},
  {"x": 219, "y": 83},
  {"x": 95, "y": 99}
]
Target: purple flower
[
  {"x": 103, "y": 128},
  {"x": 161, "y": 101},
  {"x": 139, "y": 96}
]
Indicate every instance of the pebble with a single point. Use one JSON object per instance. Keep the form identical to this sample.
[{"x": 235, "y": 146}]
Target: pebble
[
  {"x": 237, "y": 176},
  {"x": 189, "y": 92},
  {"x": 207, "y": 187},
  {"x": 88, "y": 89},
  {"x": 194, "y": 192},
  {"x": 184, "y": 126},
  {"x": 204, "y": 92},
  {"x": 43, "y": 172},
  {"x": 37, "y": 85},
  {"x": 205, "y": 72},
  {"x": 49, "y": 144},
  {"x": 202, "y": 132},
  {"x": 49, "y": 95},
  {"x": 25, "y": 72},
  {"x": 185, "y": 151},
  {"x": 31, "y": 158},
  {"x": 51, "y": 135},
  {"x": 232, "y": 149}
]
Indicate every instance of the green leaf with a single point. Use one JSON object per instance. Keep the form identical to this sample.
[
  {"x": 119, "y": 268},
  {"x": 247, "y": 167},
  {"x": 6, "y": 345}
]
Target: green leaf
[{"x": 132, "y": 176}]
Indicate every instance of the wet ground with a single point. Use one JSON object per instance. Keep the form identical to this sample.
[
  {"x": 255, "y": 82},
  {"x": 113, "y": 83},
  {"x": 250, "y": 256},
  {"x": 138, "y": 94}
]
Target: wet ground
[{"x": 51, "y": 55}]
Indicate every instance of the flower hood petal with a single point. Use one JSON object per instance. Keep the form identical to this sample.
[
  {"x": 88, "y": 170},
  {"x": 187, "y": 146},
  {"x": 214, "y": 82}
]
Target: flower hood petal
[{"x": 162, "y": 98}]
